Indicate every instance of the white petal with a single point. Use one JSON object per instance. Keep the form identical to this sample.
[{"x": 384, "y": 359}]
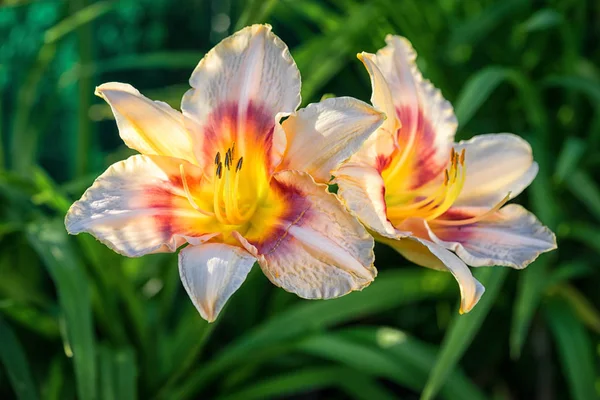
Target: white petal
[
  {"x": 320, "y": 251},
  {"x": 496, "y": 164},
  {"x": 428, "y": 121},
  {"x": 251, "y": 80},
  {"x": 150, "y": 127},
  {"x": 512, "y": 237},
  {"x": 324, "y": 134},
  {"x": 138, "y": 207},
  {"x": 211, "y": 273},
  {"x": 383, "y": 141},
  {"x": 252, "y": 65},
  {"x": 431, "y": 255},
  {"x": 361, "y": 189}
]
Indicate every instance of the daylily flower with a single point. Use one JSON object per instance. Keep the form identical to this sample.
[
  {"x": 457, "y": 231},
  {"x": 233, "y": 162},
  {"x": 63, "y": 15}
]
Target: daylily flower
[
  {"x": 439, "y": 203},
  {"x": 227, "y": 178}
]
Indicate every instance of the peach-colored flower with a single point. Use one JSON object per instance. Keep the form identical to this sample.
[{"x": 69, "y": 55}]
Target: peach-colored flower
[
  {"x": 439, "y": 203},
  {"x": 226, "y": 177}
]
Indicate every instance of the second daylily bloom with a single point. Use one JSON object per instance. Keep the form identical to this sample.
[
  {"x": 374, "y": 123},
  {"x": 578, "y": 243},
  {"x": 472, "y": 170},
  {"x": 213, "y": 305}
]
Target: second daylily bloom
[
  {"x": 439, "y": 203},
  {"x": 226, "y": 177}
]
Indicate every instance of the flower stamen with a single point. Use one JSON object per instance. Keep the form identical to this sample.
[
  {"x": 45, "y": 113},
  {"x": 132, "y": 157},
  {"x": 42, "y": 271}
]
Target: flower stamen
[{"x": 475, "y": 219}]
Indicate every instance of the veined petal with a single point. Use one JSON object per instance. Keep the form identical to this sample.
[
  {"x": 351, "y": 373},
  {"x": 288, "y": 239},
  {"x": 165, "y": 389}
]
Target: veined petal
[
  {"x": 496, "y": 164},
  {"x": 428, "y": 121},
  {"x": 381, "y": 144},
  {"x": 324, "y": 134},
  {"x": 431, "y": 255},
  {"x": 361, "y": 189},
  {"x": 512, "y": 237},
  {"x": 150, "y": 127},
  {"x": 248, "y": 74},
  {"x": 211, "y": 273},
  {"x": 138, "y": 206},
  {"x": 319, "y": 251}
]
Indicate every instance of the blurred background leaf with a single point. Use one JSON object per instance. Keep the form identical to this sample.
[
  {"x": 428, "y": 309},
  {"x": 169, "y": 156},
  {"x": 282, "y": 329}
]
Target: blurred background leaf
[{"x": 79, "y": 321}]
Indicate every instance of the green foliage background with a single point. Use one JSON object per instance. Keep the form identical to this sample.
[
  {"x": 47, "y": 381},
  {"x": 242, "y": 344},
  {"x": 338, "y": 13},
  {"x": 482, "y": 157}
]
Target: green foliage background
[{"x": 78, "y": 321}]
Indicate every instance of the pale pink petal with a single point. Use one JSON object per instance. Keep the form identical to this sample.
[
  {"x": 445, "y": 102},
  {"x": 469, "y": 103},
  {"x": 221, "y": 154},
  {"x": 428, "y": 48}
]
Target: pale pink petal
[
  {"x": 319, "y": 251},
  {"x": 428, "y": 121},
  {"x": 512, "y": 237},
  {"x": 138, "y": 206},
  {"x": 431, "y": 255},
  {"x": 150, "y": 127},
  {"x": 211, "y": 273},
  {"x": 324, "y": 134},
  {"x": 361, "y": 189},
  {"x": 382, "y": 143},
  {"x": 496, "y": 164},
  {"x": 249, "y": 76}
]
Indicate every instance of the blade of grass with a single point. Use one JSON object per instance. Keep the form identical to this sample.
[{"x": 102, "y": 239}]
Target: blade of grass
[
  {"x": 390, "y": 289},
  {"x": 386, "y": 353},
  {"x": 462, "y": 331},
  {"x": 532, "y": 283},
  {"x": 574, "y": 348},
  {"x": 295, "y": 382},
  {"x": 584, "y": 309},
  {"x": 476, "y": 90},
  {"x": 569, "y": 158},
  {"x": 15, "y": 363},
  {"x": 49, "y": 240},
  {"x": 24, "y": 139},
  {"x": 582, "y": 186}
]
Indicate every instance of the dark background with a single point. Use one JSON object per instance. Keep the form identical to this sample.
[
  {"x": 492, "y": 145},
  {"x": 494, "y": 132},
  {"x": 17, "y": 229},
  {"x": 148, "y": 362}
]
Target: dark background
[{"x": 78, "y": 321}]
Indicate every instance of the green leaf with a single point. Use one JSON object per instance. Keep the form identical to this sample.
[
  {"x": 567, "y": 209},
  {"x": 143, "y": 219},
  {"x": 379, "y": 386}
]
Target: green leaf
[
  {"x": 584, "y": 309},
  {"x": 462, "y": 331},
  {"x": 295, "y": 382},
  {"x": 387, "y": 353},
  {"x": 542, "y": 20},
  {"x": 49, "y": 239},
  {"x": 586, "y": 190},
  {"x": 569, "y": 158},
  {"x": 479, "y": 26},
  {"x": 574, "y": 348},
  {"x": 15, "y": 363},
  {"x": 476, "y": 90},
  {"x": 532, "y": 283},
  {"x": 389, "y": 290}
]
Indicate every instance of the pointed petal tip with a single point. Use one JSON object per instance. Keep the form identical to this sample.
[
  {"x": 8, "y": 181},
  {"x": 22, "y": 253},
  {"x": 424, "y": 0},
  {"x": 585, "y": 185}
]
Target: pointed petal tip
[{"x": 466, "y": 305}]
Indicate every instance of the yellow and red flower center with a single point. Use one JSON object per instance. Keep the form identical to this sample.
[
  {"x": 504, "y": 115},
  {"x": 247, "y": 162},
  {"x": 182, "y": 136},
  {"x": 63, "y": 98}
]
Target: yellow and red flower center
[
  {"x": 235, "y": 191},
  {"x": 430, "y": 201}
]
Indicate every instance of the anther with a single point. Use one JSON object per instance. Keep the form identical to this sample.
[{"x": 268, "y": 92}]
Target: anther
[
  {"x": 462, "y": 157},
  {"x": 220, "y": 170},
  {"x": 446, "y": 177},
  {"x": 233, "y": 150},
  {"x": 218, "y": 158},
  {"x": 227, "y": 159},
  {"x": 239, "y": 164},
  {"x": 452, "y": 153}
]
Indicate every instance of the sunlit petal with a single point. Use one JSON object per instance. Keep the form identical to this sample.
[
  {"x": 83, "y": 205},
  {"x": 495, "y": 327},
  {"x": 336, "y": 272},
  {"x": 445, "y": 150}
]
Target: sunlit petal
[
  {"x": 138, "y": 206},
  {"x": 428, "y": 121},
  {"x": 250, "y": 72},
  {"x": 319, "y": 251},
  {"x": 496, "y": 164},
  {"x": 431, "y": 255},
  {"x": 211, "y": 273},
  {"x": 382, "y": 143},
  {"x": 324, "y": 134},
  {"x": 512, "y": 237},
  {"x": 362, "y": 190},
  {"x": 150, "y": 127}
]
